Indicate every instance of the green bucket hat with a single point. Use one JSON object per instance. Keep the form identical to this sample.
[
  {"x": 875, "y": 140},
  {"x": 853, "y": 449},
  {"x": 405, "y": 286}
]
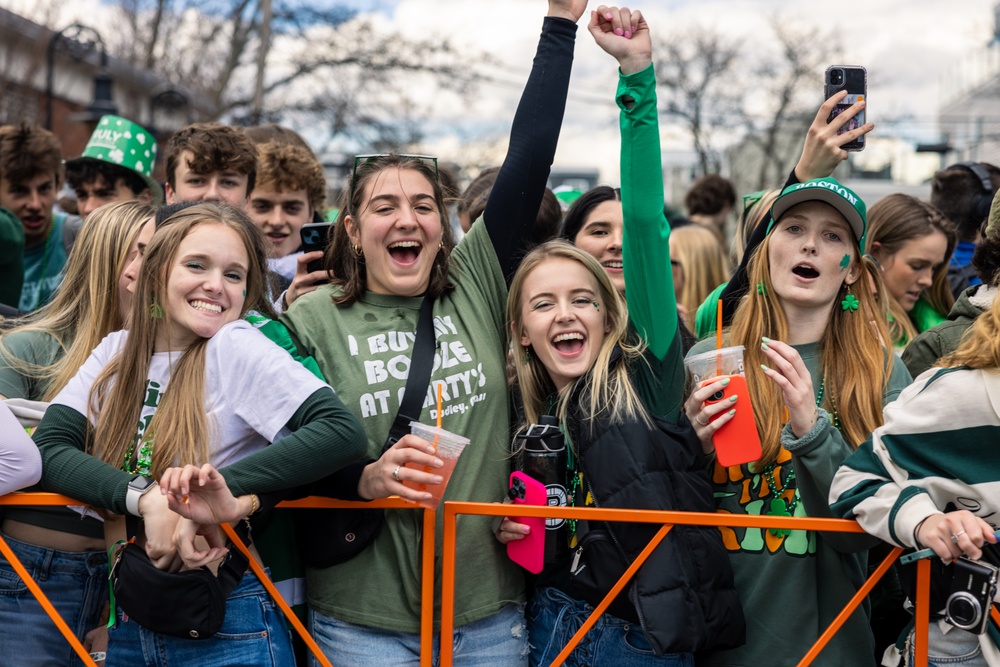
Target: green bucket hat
[
  {"x": 121, "y": 142},
  {"x": 829, "y": 191}
]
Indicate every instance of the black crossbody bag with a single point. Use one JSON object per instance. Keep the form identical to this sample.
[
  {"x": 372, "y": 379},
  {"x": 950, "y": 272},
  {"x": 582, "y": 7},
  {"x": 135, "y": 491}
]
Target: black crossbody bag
[
  {"x": 189, "y": 604},
  {"x": 332, "y": 536}
]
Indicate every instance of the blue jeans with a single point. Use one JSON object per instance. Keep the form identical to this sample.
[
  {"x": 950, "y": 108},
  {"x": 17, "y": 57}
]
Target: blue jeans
[
  {"x": 554, "y": 617},
  {"x": 253, "y": 633},
  {"x": 957, "y": 648},
  {"x": 499, "y": 640},
  {"x": 76, "y": 583}
]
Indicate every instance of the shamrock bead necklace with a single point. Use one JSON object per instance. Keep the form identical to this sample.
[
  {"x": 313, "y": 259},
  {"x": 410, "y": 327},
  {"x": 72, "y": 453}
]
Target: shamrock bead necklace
[{"x": 779, "y": 506}]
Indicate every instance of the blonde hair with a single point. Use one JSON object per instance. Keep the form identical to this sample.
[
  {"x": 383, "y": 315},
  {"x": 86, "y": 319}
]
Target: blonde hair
[
  {"x": 894, "y": 221},
  {"x": 852, "y": 347},
  {"x": 180, "y": 426},
  {"x": 608, "y": 391},
  {"x": 86, "y": 306},
  {"x": 704, "y": 263}
]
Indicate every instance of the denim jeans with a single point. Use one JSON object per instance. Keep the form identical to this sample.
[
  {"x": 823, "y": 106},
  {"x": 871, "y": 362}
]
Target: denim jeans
[
  {"x": 499, "y": 640},
  {"x": 554, "y": 617},
  {"x": 253, "y": 634},
  {"x": 75, "y": 583},
  {"x": 956, "y": 648}
]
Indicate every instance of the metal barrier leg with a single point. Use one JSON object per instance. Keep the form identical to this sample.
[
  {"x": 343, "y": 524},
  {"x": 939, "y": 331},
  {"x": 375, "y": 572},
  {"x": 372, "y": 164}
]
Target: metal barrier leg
[
  {"x": 922, "y": 613},
  {"x": 427, "y": 590},
  {"x": 448, "y": 586},
  {"x": 609, "y": 598},
  {"x": 46, "y": 605},
  {"x": 277, "y": 597},
  {"x": 852, "y": 605}
]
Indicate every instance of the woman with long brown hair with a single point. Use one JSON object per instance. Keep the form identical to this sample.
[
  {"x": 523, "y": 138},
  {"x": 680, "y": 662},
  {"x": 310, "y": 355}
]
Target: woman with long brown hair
[
  {"x": 181, "y": 387},
  {"x": 818, "y": 375},
  {"x": 912, "y": 242}
]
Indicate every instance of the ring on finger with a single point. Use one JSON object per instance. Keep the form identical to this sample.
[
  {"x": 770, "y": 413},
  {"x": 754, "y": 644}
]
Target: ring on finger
[
  {"x": 697, "y": 418},
  {"x": 395, "y": 473},
  {"x": 954, "y": 538}
]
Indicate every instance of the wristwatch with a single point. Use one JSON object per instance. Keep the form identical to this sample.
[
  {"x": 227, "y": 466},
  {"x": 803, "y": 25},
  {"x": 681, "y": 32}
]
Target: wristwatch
[{"x": 138, "y": 487}]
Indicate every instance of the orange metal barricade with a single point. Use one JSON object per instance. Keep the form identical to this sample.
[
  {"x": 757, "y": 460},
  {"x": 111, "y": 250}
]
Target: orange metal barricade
[
  {"x": 427, "y": 573},
  {"x": 453, "y": 509},
  {"x": 669, "y": 519}
]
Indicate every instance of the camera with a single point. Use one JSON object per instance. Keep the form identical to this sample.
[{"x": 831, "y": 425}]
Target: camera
[
  {"x": 973, "y": 586},
  {"x": 517, "y": 489},
  {"x": 836, "y": 76}
]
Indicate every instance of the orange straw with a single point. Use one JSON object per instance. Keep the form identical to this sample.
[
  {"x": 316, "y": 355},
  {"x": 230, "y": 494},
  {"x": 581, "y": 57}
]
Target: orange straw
[{"x": 718, "y": 338}]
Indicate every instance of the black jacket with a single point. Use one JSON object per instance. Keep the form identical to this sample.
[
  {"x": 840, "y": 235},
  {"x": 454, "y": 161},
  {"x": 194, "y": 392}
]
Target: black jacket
[{"x": 684, "y": 595}]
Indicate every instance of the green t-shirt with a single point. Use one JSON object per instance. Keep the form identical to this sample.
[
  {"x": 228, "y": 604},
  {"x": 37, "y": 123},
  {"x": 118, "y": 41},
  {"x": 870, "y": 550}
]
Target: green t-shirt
[
  {"x": 34, "y": 349},
  {"x": 793, "y": 587},
  {"x": 364, "y": 352},
  {"x": 43, "y": 265}
]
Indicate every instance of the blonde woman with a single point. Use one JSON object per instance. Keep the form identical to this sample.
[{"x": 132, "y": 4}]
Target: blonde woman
[
  {"x": 928, "y": 478},
  {"x": 182, "y": 387},
  {"x": 818, "y": 376},
  {"x": 618, "y": 397},
  {"x": 700, "y": 265},
  {"x": 912, "y": 242},
  {"x": 64, "y": 550}
]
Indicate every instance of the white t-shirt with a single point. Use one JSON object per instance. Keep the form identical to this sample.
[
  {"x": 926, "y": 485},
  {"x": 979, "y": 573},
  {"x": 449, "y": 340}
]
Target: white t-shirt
[{"x": 252, "y": 388}]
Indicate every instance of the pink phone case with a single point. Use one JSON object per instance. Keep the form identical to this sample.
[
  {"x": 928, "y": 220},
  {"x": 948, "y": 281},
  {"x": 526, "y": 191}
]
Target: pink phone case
[
  {"x": 737, "y": 441},
  {"x": 529, "y": 552}
]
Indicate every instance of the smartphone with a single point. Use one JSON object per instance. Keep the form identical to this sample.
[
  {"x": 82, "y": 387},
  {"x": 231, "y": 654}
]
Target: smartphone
[
  {"x": 737, "y": 441},
  {"x": 853, "y": 79},
  {"x": 528, "y": 552},
  {"x": 316, "y": 236}
]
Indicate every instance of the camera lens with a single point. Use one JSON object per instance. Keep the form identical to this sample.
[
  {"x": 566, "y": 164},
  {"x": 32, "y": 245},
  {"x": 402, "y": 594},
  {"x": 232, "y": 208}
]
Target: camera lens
[
  {"x": 836, "y": 76},
  {"x": 963, "y": 610},
  {"x": 718, "y": 396}
]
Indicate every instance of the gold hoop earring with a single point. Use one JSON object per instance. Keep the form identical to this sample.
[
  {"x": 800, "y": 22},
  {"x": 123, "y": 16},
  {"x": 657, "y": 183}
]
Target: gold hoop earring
[{"x": 358, "y": 250}]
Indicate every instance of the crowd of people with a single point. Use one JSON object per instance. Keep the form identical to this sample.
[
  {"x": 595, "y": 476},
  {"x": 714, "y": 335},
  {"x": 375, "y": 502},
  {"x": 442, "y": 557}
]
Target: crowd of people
[{"x": 174, "y": 357}]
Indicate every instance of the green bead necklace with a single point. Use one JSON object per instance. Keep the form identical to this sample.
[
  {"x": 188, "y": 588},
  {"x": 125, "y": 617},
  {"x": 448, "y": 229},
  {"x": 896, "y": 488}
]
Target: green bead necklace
[{"x": 779, "y": 506}]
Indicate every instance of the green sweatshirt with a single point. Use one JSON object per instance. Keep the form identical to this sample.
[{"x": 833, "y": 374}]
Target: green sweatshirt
[{"x": 793, "y": 587}]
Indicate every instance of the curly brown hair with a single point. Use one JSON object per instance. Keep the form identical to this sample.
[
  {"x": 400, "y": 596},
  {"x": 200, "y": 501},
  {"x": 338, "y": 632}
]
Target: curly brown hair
[
  {"x": 214, "y": 147},
  {"x": 27, "y": 151},
  {"x": 284, "y": 167}
]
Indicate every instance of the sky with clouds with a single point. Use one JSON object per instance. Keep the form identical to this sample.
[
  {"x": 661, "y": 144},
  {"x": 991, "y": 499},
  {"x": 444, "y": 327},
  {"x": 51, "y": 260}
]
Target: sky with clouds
[{"x": 908, "y": 46}]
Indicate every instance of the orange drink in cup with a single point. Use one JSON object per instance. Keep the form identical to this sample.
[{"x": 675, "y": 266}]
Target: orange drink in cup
[{"x": 449, "y": 447}]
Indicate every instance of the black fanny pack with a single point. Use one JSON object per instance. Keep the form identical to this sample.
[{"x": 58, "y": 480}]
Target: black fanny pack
[{"x": 189, "y": 604}]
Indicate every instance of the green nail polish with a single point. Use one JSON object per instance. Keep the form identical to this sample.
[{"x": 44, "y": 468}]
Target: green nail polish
[
  {"x": 733, "y": 411},
  {"x": 764, "y": 346},
  {"x": 725, "y": 383},
  {"x": 765, "y": 367},
  {"x": 732, "y": 399},
  {"x": 765, "y": 339}
]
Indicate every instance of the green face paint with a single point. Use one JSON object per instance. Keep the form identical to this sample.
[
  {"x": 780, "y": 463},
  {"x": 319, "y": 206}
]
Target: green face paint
[{"x": 845, "y": 262}]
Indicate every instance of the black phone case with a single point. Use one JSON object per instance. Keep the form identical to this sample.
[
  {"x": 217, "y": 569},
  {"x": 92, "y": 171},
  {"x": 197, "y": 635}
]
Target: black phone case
[{"x": 856, "y": 84}]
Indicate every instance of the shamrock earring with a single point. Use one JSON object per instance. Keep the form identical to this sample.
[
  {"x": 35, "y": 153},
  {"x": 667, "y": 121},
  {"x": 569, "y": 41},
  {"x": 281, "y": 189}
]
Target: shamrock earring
[
  {"x": 527, "y": 354},
  {"x": 850, "y": 302},
  {"x": 155, "y": 310}
]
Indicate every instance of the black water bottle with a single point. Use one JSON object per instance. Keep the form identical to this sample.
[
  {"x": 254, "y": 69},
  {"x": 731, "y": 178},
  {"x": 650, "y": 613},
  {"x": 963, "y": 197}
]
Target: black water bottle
[{"x": 543, "y": 457}]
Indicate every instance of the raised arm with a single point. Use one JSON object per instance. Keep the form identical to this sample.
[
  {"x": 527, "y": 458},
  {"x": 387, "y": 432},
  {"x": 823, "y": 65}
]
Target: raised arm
[
  {"x": 821, "y": 154},
  {"x": 649, "y": 285},
  {"x": 517, "y": 194}
]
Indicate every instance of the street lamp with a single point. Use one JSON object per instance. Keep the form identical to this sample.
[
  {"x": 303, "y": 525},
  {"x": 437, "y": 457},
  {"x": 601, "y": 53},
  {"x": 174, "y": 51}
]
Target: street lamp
[
  {"x": 167, "y": 98},
  {"x": 80, "y": 40}
]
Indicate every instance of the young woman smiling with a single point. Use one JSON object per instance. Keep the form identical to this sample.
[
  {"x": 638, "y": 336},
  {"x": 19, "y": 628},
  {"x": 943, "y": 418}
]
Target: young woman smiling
[
  {"x": 392, "y": 249},
  {"x": 818, "y": 375},
  {"x": 617, "y": 386},
  {"x": 181, "y": 388},
  {"x": 912, "y": 242}
]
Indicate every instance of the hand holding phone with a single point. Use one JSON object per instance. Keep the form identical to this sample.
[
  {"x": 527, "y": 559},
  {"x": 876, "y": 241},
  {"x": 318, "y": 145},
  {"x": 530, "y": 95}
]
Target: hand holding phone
[
  {"x": 737, "y": 441},
  {"x": 528, "y": 552},
  {"x": 853, "y": 79}
]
